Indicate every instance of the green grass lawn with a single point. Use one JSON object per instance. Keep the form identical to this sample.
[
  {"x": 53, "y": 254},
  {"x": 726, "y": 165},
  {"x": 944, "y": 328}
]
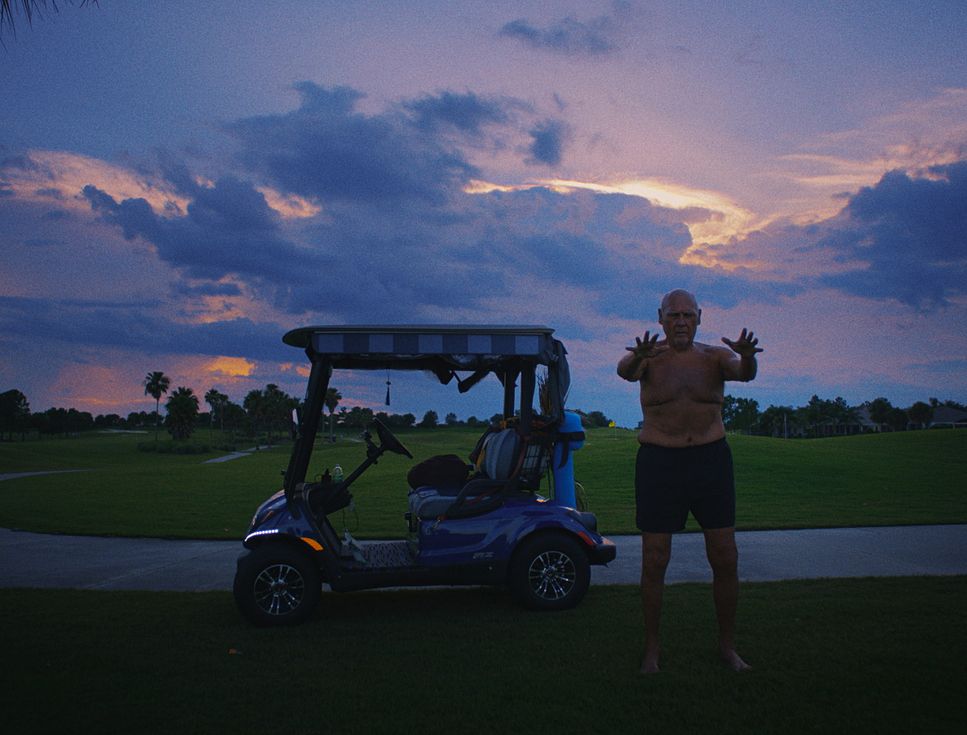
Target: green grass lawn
[
  {"x": 887, "y": 479},
  {"x": 831, "y": 656},
  {"x": 883, "y": 655}
]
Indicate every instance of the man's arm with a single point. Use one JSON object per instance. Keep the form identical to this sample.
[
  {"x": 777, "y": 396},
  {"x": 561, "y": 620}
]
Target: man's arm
[
  {"x": 745, "y": 368},
  {"x": 633, "y": 365}
]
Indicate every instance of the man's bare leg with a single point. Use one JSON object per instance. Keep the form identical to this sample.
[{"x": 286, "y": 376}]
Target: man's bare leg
[
  {"x": 723, "y": 556},
  {"x": 656, "y": 550}
]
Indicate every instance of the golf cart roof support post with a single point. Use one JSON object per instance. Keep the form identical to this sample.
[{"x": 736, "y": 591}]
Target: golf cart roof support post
[
  {"x": 527, "y": 385},
  {"x": 510, "y": 391},
  {"x": 311, "y": 414}
]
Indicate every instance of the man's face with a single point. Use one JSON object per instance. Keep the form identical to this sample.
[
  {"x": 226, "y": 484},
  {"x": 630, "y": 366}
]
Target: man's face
[{"x": 680, "y": 317}]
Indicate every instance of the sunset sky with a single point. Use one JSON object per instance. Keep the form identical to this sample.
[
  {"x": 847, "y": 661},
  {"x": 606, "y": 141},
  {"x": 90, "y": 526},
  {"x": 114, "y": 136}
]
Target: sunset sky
[{"x": 183, "y": 182}]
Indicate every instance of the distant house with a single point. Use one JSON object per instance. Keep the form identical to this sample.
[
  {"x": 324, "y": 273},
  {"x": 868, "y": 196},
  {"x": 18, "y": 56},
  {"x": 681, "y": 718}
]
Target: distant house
[
  {"x": 859, "y": 423},
  {"x": 946, "y": 417},
  {"x": 866, "y": 423}
]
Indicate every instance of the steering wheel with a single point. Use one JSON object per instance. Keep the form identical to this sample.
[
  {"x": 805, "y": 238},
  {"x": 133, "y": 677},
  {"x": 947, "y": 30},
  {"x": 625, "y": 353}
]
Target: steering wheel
[{"x": 390, "y": 442}]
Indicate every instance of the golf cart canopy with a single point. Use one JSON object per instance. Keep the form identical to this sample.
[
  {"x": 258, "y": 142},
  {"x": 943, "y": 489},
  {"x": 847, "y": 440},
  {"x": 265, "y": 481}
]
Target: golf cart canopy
[{"x": 442, "y": 349}]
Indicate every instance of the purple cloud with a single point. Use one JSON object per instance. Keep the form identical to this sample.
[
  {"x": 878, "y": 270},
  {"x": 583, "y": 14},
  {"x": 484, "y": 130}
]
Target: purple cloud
[
  {"x": 911, "y": 234},
  {"x": 547, "y": 142},
  {"x": 568, "y": 36},
  {"x": 469, "y": 113},
  {"x": 228, "y": 229},
  {"x": 327, "y": 150}
]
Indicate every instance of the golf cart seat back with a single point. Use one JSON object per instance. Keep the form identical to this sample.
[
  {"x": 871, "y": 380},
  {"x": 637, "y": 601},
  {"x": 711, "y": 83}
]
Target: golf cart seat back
[{"x": 501, "y": 455}]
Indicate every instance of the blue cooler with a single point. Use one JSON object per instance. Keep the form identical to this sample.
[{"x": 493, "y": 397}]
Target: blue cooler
[{"x": 571, "y": 438}]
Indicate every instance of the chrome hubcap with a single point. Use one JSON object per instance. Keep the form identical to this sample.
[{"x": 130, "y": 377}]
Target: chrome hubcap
[
  {"x": 279, "y": 589},
  {"x": 552, "y": 575}
]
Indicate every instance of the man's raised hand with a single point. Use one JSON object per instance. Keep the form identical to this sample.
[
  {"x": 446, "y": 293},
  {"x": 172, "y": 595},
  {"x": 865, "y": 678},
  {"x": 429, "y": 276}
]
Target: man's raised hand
[
  {"x": 744, "y": 346},
  {"x": 646, "y": 347}
]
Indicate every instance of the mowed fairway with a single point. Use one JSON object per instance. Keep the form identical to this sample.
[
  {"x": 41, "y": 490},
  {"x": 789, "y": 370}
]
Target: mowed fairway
[{"x": 885, "y": 479}]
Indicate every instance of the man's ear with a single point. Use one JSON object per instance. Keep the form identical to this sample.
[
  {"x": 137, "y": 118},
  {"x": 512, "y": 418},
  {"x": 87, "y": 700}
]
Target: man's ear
[
  {"x": 659, "y": 315},
  {"x": 699, "y": 317}
]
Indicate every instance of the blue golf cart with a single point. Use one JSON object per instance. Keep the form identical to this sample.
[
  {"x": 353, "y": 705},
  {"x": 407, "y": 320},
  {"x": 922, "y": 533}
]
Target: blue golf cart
[{"x": 475, "y": 520}]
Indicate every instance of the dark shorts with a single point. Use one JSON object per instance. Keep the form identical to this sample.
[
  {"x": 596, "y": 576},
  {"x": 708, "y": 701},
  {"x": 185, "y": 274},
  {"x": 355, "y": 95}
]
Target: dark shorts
[{"x": 670, "y": 482}]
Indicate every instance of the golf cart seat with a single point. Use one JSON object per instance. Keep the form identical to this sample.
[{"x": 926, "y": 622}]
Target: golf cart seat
[{"x": 498, "y": 462}]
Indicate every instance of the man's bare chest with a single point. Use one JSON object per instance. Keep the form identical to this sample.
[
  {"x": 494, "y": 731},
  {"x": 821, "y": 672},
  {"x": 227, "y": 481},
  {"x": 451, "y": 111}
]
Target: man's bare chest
[{"x": 695, "y": 377}]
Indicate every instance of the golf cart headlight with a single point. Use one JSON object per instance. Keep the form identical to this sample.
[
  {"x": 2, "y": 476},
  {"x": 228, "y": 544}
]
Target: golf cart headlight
[{"x": 256, "y": 534}]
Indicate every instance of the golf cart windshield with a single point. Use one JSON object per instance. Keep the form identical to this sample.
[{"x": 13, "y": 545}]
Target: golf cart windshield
[{"x": 461, "y": 354}]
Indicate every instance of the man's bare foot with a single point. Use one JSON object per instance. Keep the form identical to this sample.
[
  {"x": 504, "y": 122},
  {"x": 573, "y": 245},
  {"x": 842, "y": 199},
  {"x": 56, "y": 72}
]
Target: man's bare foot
[
  {"x": 649, "y": 664},
  {"x": 732, "y": 659}
]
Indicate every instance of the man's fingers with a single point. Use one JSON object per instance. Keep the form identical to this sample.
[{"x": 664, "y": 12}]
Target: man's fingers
[
  {"x": 644, "y": 345},
  {"x": 745, "y": 344}
]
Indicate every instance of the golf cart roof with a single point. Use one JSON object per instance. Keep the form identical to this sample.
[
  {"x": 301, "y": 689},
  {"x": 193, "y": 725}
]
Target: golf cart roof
[{"x": 422, "y": 347}]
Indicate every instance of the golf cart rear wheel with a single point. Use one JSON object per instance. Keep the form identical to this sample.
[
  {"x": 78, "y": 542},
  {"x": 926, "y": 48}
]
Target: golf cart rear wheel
[
  {"x": 276, "y": 585},
  {"x": 550, "y": 572}
]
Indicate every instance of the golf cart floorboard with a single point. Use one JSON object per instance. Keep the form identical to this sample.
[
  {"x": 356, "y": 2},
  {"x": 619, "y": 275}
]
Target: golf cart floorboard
[{"x": 388, "y": 554}]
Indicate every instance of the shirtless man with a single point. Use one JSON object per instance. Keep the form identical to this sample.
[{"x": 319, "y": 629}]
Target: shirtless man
[{"x": 684, "y": 463}]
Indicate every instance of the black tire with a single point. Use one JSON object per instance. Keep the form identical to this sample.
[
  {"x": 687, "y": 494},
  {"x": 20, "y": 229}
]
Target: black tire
[
  {"x": 276, "y": 584},
  {"x": 549, "y": 572}
]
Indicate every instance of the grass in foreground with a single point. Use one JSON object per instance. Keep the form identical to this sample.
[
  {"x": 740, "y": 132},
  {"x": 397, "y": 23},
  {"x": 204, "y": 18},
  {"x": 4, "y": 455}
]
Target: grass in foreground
[
  {"x": 889, "y": 479},
  {"x": 867, "y": 655}
]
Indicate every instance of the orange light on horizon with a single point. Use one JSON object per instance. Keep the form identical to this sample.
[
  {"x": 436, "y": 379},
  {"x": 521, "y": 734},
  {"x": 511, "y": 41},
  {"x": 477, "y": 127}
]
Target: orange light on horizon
[
  {"x": 289, "y": 206},
  {"x": 65, "y": 175},
  {"x": 231, "y": 367},
  {"x": 476, "y": 186},
  {"x": 68, "y": 173},
  {"x": 298, "y": 369},
  {"x": 726, "y": 218}
]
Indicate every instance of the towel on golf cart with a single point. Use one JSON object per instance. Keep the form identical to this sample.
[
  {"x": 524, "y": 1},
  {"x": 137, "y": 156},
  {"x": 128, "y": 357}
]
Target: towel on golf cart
[{"x": 445, "y": 472}]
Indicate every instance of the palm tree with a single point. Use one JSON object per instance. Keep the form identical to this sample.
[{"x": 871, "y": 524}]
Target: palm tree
[
  {"x": 217, "y": 401},
  {"x": 182, "y": 412},
  {"x": 276, "y": 408},
  {"x": 255, "y": 406},
  {"x": 332, "y": 399},
  {"x": 28, "y": 8},
  {"x": 155, "y": 385}
]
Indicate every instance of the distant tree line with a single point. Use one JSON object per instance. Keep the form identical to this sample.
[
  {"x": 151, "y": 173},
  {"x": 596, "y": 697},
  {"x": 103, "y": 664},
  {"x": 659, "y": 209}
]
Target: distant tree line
[
  {"x": 833, "y": 417},
  {"x": 267, "y": 412},
  {"x": 263, "y": 412}
]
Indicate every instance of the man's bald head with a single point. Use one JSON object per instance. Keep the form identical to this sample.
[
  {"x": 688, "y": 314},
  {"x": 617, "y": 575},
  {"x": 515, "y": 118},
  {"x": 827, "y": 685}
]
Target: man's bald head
[
  {"x": 679, "y": 317},
  {"x": 677, "y": 295}
]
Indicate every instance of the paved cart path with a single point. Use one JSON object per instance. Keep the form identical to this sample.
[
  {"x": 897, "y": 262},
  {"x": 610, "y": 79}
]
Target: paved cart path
[{"x": 107, "y": 563}]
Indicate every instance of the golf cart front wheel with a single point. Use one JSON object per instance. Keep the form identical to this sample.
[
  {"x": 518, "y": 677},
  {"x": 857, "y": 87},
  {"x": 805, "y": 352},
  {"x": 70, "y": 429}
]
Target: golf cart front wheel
[
  {"x": 550, "y": 572},
  {"x": 276, "y": 585}
]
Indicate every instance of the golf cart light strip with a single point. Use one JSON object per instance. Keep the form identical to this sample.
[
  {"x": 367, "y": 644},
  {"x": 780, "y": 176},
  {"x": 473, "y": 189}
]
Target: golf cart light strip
[
  {"x": 427, "y": 343},
  {"x": 269, "y": 532},
  {"x": 312, "y": 542}
]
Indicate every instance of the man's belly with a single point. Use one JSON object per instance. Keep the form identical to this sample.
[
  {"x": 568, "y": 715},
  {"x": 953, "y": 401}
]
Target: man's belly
[{"x": 682, "y": 424}]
